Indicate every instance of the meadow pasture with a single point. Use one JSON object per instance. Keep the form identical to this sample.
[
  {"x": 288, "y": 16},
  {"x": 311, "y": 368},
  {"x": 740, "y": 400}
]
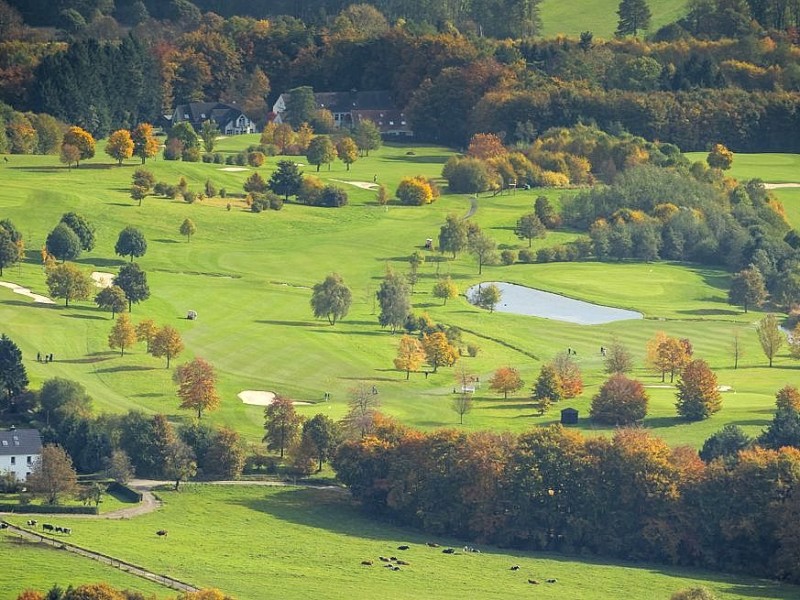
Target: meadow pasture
[
  {"x": 259, "y": 542},
  {"x": 249, "y": 278},
  {"x": 600, "y": 17}
]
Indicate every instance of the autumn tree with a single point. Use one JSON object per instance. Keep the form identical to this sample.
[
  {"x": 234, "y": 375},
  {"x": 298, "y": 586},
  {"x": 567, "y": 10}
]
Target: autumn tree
[
  {"x": 133, "y": 281},
  {"x": 445, "y": 289},
  {"x": 188, "y": 228},
  {"x": 322, "y": 433},
  {"x": 69, "y": 154},
  {"x": 529, "y": 227},
  {"x": 131, "y": 242},
  {"x": 697, "y": 396},
  {"x": 620, "y": 401},
  {"x": 112, "y": 298},
  {"x": 410, "y": 355},
  {"x": 439, "y": 351},
  {"x": 367, "y": 136},
  {"x": 13, "y": 377},
  {"x": 788, "y": 397},
  {"x": 568, "y": 373},
  {"x": 747, "y": 288},
  {"x": 120, "y": 145},
  {"x": 145, "y": 144},
  {"x": 80, "y": 139},
  {"x": 769, "y": 336},
  {"x": 69, "y": 282},
  {"x": 395, "y": 301},
  {"x": 123, "y": 334},
  {"x": 720, "y": 157},
  {"x": 486, "y": 296},
  {"x": 321, "y": 151},
  {"x": 695, "y": 593},
  {"x": 633, "y": 16},
  {"x": 547, "y": 388},
  {"x": 281, "y": 424},
  {"x": 362, "y": 410},
  {"x": 197, "y": 386},
  {"x": 146, "y": 330},
  {"x": 415, "y": 191},
  {"x": 485, "y": 146},
  {"x": 347, "y": 150},
  {"x": 63, "y": 243},
  {"x": 331, "y": 299},
  {"x": 167, "y": 343},
  {"x": 505, "y": 380},
  {"x": 118, "y": 466},
  {"x": 453, "y": 235},
  {"x": 53, "y": 475}
]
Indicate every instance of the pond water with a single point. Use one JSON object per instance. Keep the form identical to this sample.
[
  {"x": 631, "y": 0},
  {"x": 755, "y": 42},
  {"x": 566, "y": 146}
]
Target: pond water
[{"x": 521, "y": 300}]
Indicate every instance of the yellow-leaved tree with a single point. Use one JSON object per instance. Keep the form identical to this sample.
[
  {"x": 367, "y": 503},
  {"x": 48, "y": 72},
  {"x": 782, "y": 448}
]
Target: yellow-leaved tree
[
  {"x": 410, "y": 355},
  {"x": 197, "y": 386}
]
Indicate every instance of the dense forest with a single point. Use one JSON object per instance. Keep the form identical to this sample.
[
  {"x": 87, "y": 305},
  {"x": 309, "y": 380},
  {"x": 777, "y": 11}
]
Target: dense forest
[{"x": 727, "y": 72}]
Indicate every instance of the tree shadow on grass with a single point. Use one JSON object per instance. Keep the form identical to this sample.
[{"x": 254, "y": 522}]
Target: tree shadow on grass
[
  {"x": 92, "y": 358},
  {"x": 710, "y": 312},
  {"x": 124, "y": 204},
  {"x": 101, "y": 262},
  {"x": 413, "y": 158},
  {"x": 661, "y": 422},
  {"x": 166, "y": 241},
  {"x": 125, "y": 369},
  {"x": 86, "y": 317},
  {"x": 349, "y": 332}
]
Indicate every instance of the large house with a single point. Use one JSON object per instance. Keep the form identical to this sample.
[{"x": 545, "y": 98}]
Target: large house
[
  {"x": 229, "y": 119},
  {"x": 19, "y": 451},
  {"x": 349, "y": 108}
]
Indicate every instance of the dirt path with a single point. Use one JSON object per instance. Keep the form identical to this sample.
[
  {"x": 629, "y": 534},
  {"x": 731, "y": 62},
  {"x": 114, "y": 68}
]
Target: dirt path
[
  {"x": 122, "y": 565},
  {"x": 473, "y": 207}
]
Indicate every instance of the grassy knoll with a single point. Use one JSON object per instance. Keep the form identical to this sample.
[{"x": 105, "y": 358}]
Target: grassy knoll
[
  {"x": 27, "y": 565},
  {"x": 769, "y": 167},
  {"x": 249, "y": 277},
  {"x": 298, "y": 543},
  {"x": 559, "y": 17}
]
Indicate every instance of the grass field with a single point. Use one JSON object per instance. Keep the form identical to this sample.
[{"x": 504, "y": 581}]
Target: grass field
[
  {"x": 256, "y": 543},
  {"x": 249, "y": 277},
  {"x": 570, "y": 17}
]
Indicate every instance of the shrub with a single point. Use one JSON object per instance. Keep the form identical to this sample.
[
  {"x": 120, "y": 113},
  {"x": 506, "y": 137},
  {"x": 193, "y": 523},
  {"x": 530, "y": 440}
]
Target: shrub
[
  {"x": 160, "y": 188},
  {"x": 473, "y": 349},
  {"x": 173, "y": 149},
  {"x": 218, "y": 158},
  {"x": 190, "y": 196},
  {"x": 207, "y": 158},
  {"x": 508, "y": 257},
  {"x": 230, "y": 159},
  {"x": 527, "y": 255},
  {"x": 240, "y": 159},
  {"x": 191, "y": 155},
  {"x": 275, "y": 201},
  {"x": 545, "y": 255},
  {"x": 171, "y": 192},
  {"x": 255, "y": 159},
  {"x": 551, "y": 179},
  {"x": 223, "y": 193},
  {"x": 414, "y": 191},
  {"x": 333, "y": 197}
]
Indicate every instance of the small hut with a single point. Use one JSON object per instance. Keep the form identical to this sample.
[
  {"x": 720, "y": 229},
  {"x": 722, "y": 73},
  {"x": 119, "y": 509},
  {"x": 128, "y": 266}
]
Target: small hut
[{"x": 569, "y": 416}]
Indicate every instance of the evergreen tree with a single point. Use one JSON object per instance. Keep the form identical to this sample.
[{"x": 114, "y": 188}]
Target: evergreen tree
[
  {"x": 633, "y": 16},
  {"x": 13, "y": 377}
]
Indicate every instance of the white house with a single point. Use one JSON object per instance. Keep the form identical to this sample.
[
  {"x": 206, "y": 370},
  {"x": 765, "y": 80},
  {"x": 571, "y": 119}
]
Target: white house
[
  {"x": 229, "y": 118},
  {"x": 19, "y": 451}
]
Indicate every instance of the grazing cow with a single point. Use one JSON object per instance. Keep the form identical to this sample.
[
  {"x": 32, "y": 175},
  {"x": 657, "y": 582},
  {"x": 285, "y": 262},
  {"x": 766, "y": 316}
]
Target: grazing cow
[
  {"x": 515, "y": 568},
  {"x": 66, "y": 530},
  {"x": 368, "y": 563},
  {"x": 47, "y": 527},
  {"x": 3, "y": 525},
  {"x": 395, "y": 568},
  {"x": 533, "y": 581},
  {"x": 162, "y": 532},
  {"x": 388, "y": 566},
  {"x": 432, "y": 545},
  {"x": 32, "y": 522},
  {"x": 59, "y": 529},
  {"x": 449, "y": 551},
  {"x": 383, "y": 559},
  {"x": 552, "y": 580},
  {"x": 403, "y": 547},
  {"x": 402, "y": 562},
  {"x": 393, "y": 558}
]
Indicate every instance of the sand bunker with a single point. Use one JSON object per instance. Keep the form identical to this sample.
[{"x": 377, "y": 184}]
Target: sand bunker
[
  {"x": 262, "y": 398},
  {"x": 777, "y": 186},
  {"x": 234, "y": 169},
  {"x": 103, "y": 280},
  {"x": 364, "y": 185},
  {"x": 23, "y": 291},
  {"x": 724, "y": 388}
]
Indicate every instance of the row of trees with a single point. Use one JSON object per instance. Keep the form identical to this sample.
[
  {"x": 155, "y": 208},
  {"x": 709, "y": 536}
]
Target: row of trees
[
  {"x": 104, "y": 591},
  {"x": 628, "y": 496}
]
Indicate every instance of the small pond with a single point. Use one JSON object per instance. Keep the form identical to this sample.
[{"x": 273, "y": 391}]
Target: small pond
[{"x": 521, "y": 300}]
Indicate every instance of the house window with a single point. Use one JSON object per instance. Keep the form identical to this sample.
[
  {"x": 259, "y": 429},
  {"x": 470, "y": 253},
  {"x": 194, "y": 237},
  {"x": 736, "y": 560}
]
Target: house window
[
  {"x": 30, "y": 460},
  {"x": 13, "y": 460},
  {"x": 202, "y": 115},
  {"x": 391, "y": 122}
]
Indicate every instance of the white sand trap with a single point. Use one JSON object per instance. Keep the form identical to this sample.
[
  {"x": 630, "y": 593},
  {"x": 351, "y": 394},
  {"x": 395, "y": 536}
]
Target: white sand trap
[
  {"x": 724, "y": 388},
  {"x": 778, "y": 186},
  {"x": 103, "y": 280},
  {"x": 364, "y": 185},
  {"x": 234, "y": 169},
  {"x": 23, "y": 291},
  {"x": 262, "y": 398},
  {"x": 660, "y": 387}
]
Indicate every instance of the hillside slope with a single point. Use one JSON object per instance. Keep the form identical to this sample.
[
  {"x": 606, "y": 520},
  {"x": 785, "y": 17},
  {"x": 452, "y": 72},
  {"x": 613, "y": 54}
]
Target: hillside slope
[{"x": 571, "y": 17}]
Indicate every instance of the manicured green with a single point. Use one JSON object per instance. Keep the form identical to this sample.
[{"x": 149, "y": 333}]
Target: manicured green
[
  {"x": 249, "y": 277},
  {"x": 257, "y": 542},
  {"x": 769, "y": 167},
  {"x": 32, "y": 566},
  {"x": 600, "y": 17}
]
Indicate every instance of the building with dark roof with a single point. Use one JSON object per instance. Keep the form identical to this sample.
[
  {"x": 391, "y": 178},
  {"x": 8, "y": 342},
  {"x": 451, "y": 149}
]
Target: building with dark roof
[
  {"x": 349, "y": 108},
  {"x": 229, "y": 118},
  {"x": 19, "y": 451}
]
